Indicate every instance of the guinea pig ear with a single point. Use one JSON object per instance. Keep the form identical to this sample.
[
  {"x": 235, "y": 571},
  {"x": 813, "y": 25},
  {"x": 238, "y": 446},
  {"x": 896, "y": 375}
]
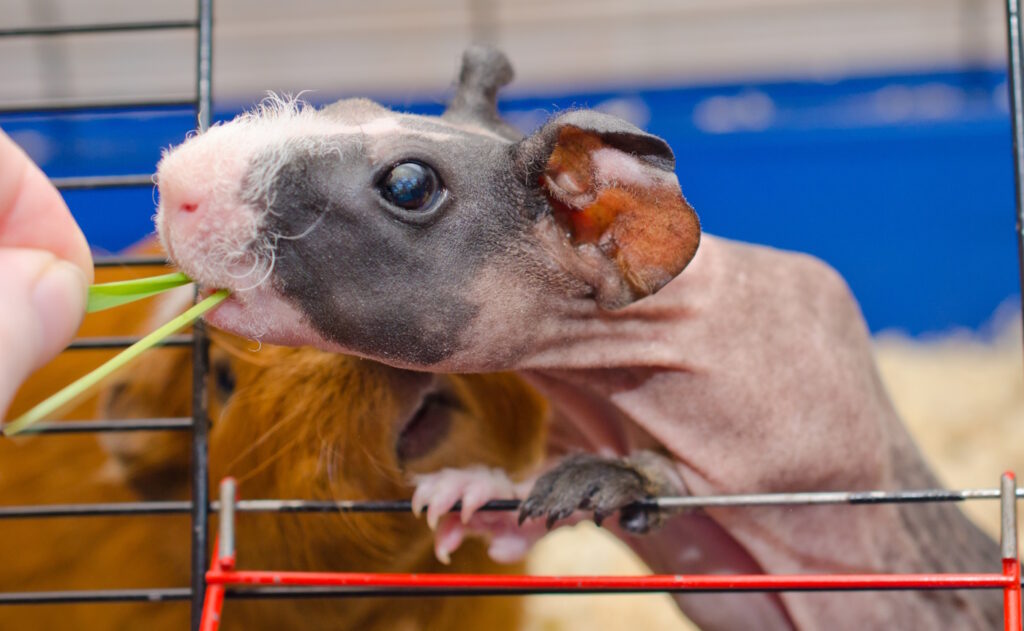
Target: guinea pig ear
[
  {"x": 485, "y": 70},
  {"x": 612, "y": 186}
]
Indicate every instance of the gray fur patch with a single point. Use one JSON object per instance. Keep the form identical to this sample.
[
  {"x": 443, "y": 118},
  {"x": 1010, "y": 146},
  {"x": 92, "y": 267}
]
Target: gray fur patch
[{"x": 375, "y": 279}]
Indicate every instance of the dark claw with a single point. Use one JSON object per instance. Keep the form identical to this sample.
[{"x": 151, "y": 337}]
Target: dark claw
[
  {"x": 523, "y": 514},
  {"x": 529, "y": 509},
  {"x": 635, "y": 519},
  {"x": 587, "y": 482}
]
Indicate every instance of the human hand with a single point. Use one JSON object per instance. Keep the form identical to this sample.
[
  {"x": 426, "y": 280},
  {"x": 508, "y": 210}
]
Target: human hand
[{"x": 45, "y": 270}]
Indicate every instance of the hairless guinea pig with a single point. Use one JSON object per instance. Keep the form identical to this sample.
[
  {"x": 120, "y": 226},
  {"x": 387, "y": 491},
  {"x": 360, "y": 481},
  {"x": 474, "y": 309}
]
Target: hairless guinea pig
[
  {"x": 454, "y": 244},
  {"x": 287, "y": 423}
]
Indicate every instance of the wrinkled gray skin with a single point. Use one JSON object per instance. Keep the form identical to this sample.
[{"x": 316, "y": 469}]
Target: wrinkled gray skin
[{"x": 750, "y": 372}]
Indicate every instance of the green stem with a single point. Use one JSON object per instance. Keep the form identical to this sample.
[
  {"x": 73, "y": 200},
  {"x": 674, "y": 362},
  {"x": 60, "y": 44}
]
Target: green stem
[
  {"x": 55, "y": 403},
  {"x": 107, "y": 295}
]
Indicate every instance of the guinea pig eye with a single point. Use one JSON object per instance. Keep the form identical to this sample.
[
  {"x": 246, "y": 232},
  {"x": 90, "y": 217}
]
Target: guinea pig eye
[{"x": 412, "y": 186}]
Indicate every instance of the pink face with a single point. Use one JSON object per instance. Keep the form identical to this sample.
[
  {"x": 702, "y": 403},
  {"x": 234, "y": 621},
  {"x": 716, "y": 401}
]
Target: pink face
[
  {"x": 213, "y": 235},
  {"x": 210, "y": 216}
]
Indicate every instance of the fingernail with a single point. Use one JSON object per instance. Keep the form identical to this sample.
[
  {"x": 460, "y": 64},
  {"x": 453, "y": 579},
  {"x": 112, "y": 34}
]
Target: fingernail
[{"x": 58, "y": 298}]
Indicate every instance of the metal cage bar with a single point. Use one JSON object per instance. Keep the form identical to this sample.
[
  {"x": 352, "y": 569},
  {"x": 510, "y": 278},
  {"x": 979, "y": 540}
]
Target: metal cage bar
[
  {"x": 405, "y": 506},
  {"x": 93, "y": 182},
  {"x": 113, "y": 342},
  {"x": 69, "y": 596},
  {"x": 84, "y": 29},
  {"x": 1015, "y": 78},
  {"x": 1008, "y": 550},
  {"x": 73, "y": 105},
  {"x": 201, "y": 346},
  {"x": 130, "y": 261},
  {"x": 99, "y": 427}
]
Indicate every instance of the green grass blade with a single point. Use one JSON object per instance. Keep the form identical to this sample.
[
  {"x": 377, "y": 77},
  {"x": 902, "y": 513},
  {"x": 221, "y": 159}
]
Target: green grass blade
[
  {"x": 107, "y": 295},
  {"x": 53, "y": 404}
]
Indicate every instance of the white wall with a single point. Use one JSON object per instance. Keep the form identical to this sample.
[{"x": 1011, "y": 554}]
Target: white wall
[{"x": 404, "y": 47}]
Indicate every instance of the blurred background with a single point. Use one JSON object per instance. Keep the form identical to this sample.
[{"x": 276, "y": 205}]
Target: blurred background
[{"x": 872, "y": 133}]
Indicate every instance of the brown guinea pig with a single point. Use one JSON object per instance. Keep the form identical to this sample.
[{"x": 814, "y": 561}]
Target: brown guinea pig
[{"x": 287, "y": 423}]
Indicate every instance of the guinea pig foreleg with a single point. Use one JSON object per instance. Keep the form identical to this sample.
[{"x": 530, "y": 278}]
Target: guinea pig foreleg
[{"x": 603, "y": 486}]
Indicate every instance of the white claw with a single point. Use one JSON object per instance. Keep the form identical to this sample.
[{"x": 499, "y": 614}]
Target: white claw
[
  {"x": 421, "y": 497},
  {"x": 479, "y": 492},
  {"x": 445, "y": 496},
  {"x": 442, "y": 556},
  {"x": 475, "y": 486},
  {"x": 448, "y": 538}
]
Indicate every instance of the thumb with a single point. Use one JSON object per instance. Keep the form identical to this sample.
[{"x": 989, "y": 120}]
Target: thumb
[{"x": 43, "y": 300}]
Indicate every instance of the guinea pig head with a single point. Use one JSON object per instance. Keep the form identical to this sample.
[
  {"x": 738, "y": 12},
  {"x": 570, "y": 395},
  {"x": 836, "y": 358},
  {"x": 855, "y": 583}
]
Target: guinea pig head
[
  {"x": 301, "y": 423},
  {"x": 305, "y": 423},
  {"x": 444, "y": 243}
]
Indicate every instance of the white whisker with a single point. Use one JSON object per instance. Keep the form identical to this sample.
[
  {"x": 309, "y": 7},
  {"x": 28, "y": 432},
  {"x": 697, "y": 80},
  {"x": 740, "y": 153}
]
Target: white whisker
[
  {"x": 266, "y": 275},
  {"x": 304, "y": 233},
  {"x": 234, "y": 258}
]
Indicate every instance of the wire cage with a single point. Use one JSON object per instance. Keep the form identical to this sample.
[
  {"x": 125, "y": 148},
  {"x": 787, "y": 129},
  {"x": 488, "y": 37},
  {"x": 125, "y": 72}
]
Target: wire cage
[
  {"x": 210, "y": 587},
  {"x": 198, "y": 507}
]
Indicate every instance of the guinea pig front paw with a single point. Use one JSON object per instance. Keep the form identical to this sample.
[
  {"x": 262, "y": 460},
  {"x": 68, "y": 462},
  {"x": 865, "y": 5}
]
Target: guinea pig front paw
[
  {"x": 594, "y": 483},
  {"x": 438, "y": 492}
]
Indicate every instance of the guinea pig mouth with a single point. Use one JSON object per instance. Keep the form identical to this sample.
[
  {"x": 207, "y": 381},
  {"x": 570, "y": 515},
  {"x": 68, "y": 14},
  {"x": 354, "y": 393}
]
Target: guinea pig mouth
[{"x": 427, "y": 428}]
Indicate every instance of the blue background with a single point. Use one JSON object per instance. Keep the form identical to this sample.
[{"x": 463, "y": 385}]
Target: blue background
[{"x": 902, "y": 182}]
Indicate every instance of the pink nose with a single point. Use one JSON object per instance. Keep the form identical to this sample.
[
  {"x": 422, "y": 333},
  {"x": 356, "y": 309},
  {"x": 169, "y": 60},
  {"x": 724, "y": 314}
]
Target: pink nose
[{"x": 180, "y": 199}]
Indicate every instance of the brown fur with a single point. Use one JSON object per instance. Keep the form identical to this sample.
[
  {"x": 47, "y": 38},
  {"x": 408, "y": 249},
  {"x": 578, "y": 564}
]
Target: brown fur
[{"x": 300, "y": 424}]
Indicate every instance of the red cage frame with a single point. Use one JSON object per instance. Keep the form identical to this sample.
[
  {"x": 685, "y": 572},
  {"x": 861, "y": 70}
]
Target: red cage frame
[{"x": 222, "y": 574}]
